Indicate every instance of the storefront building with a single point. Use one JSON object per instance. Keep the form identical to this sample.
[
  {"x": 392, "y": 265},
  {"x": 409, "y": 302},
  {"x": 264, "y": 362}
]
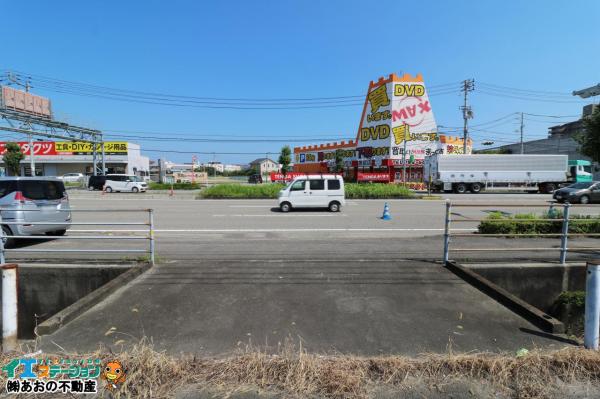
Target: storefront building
[
  {"x": 54, "y": 158},
  {"x": 397, "y": 131}
]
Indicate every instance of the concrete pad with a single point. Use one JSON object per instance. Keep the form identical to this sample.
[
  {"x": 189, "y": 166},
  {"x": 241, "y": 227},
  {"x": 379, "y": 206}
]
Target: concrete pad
[{"x": 350, "y": 306}]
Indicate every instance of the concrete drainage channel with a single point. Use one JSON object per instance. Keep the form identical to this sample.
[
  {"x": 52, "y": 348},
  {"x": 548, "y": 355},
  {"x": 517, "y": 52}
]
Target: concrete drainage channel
[
  {"x": 527, "y": 289},
  {"x": 40, "y": 298},
  {"x": 51, "y": 295}
]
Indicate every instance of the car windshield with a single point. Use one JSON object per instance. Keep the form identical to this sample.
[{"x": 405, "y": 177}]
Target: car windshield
[
  {"x": 580, "y": 185},
  {"x": 135, "y": 178}
]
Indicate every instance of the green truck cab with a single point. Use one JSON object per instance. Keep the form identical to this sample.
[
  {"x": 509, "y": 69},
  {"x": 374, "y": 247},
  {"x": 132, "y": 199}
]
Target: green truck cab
[{"x": 579, "y": 171}]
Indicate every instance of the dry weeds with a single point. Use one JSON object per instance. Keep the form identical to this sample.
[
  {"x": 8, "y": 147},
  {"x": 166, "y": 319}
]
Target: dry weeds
[{"x": 294, "y": 372}]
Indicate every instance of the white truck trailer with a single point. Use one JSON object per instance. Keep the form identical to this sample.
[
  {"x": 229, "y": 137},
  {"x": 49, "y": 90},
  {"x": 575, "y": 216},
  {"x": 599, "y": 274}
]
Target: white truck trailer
[{"x": 462, "y": 173}]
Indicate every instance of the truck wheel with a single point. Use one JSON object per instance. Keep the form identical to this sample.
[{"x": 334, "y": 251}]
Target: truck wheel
[
  {"x": 549, "y": 188},
  {"x": 285, "y": 207},
  {"x": 460, "y": 188},
  {"x": 476, "y": 188}
]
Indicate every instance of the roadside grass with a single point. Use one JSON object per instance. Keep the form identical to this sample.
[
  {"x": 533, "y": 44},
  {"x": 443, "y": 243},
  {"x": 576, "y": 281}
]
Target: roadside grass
[
  {"x": 270, "y": 190},
  {"x": 377, "y": 191},
  {"x": 176, "y": 186},
  {"x": 525, "y": 223},
  {"x": 223, "y": 191},
  {"x": 292, "y": 372}
]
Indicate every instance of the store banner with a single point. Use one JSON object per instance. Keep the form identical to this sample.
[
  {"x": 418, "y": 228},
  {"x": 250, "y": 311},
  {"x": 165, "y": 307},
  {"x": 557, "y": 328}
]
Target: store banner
[
  {"x": 279, "y": 177},
  {"x": 374, "y": 176},
  {"x": 83, "y": 148},
  {"x": 41, "y": 148}
]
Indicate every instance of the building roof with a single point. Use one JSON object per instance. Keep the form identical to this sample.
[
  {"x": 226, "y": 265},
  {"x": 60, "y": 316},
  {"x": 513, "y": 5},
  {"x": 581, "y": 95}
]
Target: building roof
[{"x": 261, "y": 160}]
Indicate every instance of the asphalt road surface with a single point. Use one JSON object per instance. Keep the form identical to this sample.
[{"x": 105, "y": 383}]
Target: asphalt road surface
[{"x": 191, "y": 229}]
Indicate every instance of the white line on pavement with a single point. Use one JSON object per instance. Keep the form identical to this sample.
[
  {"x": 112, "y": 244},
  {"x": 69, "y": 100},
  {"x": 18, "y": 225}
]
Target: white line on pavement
[
  {"x": 282, "y": 215},
  {"x": 266, "y": 230},
  {"x": 250, "y": 206}
]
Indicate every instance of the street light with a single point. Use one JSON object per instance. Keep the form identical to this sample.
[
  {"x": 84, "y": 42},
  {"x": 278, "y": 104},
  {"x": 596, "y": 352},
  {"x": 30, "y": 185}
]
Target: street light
[{"x": 589, "y": 92}]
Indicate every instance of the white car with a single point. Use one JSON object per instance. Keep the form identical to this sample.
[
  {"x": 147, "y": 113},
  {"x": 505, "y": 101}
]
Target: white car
[
  {"x": 313, "y": 191},
  {"x": 72, "y": 177},
  {"x": 130, "y": 183}
]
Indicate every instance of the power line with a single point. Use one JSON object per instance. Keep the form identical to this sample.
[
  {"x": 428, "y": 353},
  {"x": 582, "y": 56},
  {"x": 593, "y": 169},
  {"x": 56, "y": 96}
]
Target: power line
[
  {"x": 74, "y": 88},
  {"x": 531, "y": 98},
  {"x": 515, "y": 89}
]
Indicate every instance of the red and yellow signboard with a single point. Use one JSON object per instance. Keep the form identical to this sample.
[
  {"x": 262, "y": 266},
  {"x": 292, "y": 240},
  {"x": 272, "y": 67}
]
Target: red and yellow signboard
[{"x": 42, "y": 148}]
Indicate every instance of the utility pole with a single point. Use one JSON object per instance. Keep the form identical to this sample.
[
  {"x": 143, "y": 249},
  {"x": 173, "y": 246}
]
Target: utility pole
[
  {"x": 17, "y": 80},
  {"x": 521, "y": 129},
  {"x": 468, "y": 85},
  {"x": 31, "y": 159}
]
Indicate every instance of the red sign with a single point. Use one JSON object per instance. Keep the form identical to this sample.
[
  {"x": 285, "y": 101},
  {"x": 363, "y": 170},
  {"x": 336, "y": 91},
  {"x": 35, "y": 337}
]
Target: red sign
[
  {"x": 39, "y": 148},
  {"x": 375, "y": 176},
  {"x": 278, "y": 177}
]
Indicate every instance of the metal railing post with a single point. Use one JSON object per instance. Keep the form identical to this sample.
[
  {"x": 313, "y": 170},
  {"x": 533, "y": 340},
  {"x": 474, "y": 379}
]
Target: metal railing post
[
  {"x": 447, "y": 232},
  {"x": 9, "y": 307},
  {"x": 592, "y": 305},
  {"x": 565, "y": 234},
  {"x": 151, "y": 217},
  {"x": 2, "y": 254}
]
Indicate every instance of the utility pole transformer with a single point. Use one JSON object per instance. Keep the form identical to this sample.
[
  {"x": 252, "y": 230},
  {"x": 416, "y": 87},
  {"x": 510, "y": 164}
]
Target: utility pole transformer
[{"x": 468, "y": 85}]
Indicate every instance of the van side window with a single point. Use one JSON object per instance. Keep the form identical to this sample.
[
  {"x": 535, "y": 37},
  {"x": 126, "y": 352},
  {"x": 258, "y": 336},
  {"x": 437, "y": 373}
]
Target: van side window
[
  {"x": 333, "y": 184},
  {"x": 298, "y": 186},
  {"x": 317, "y": 184}
]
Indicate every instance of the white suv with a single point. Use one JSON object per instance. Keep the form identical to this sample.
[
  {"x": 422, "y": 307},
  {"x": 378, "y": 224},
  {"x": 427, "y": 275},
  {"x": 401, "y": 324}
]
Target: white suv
[{"x": 129, "y": 183}]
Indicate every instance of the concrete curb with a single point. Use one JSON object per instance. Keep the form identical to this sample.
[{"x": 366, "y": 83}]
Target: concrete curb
[
  {"x": 71, "y": 312},
  {"x": 517, "y": 305}
]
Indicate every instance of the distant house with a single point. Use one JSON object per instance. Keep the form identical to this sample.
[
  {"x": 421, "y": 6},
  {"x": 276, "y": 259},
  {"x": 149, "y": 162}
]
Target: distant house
[{"x": 264, "y": 165}]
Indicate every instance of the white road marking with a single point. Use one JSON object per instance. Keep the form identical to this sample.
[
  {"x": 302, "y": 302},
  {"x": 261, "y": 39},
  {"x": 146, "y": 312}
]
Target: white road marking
[
  {"x": 281, "y": 215},
  {"x": 266, "y": 230},
  {"x": 251, "y": 206}
]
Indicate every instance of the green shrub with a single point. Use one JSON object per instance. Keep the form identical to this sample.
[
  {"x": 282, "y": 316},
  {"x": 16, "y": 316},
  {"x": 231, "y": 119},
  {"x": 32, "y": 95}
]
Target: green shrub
[
  {"x": 377, "y": 191},
  {"x": 497, "y": 223},
  {"x": 269, "y": 190},
  {"x": 176, "y": 186},
  {"x": 574, "y": 298}
]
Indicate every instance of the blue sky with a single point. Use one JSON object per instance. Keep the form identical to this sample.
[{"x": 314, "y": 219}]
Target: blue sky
[{"x": 300, "y": 49}]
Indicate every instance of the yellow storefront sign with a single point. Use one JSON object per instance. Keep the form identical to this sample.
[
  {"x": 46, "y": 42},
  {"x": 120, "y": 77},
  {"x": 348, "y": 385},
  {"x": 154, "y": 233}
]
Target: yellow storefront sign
[{"x": 83, "y": 148}]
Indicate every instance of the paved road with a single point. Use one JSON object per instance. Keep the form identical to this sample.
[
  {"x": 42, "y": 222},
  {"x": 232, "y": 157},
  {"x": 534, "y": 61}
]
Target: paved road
[
  {"x": 236, "y": 272},
  {"x": 188, "y": 229}
]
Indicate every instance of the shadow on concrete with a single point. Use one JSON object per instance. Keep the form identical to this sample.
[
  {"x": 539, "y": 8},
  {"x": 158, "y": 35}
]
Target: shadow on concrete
[{"x": 558, "y": 338}]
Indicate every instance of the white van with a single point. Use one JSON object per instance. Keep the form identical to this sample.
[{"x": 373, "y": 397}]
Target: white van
[
  {"x": 129, "y": 183},
  {"x": 313, "y": 191}
]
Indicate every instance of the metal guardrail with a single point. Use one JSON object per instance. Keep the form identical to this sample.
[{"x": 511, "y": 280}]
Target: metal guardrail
[
  {"x": 564, "y": 234},
  {"x": 149, "y": 250}
]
